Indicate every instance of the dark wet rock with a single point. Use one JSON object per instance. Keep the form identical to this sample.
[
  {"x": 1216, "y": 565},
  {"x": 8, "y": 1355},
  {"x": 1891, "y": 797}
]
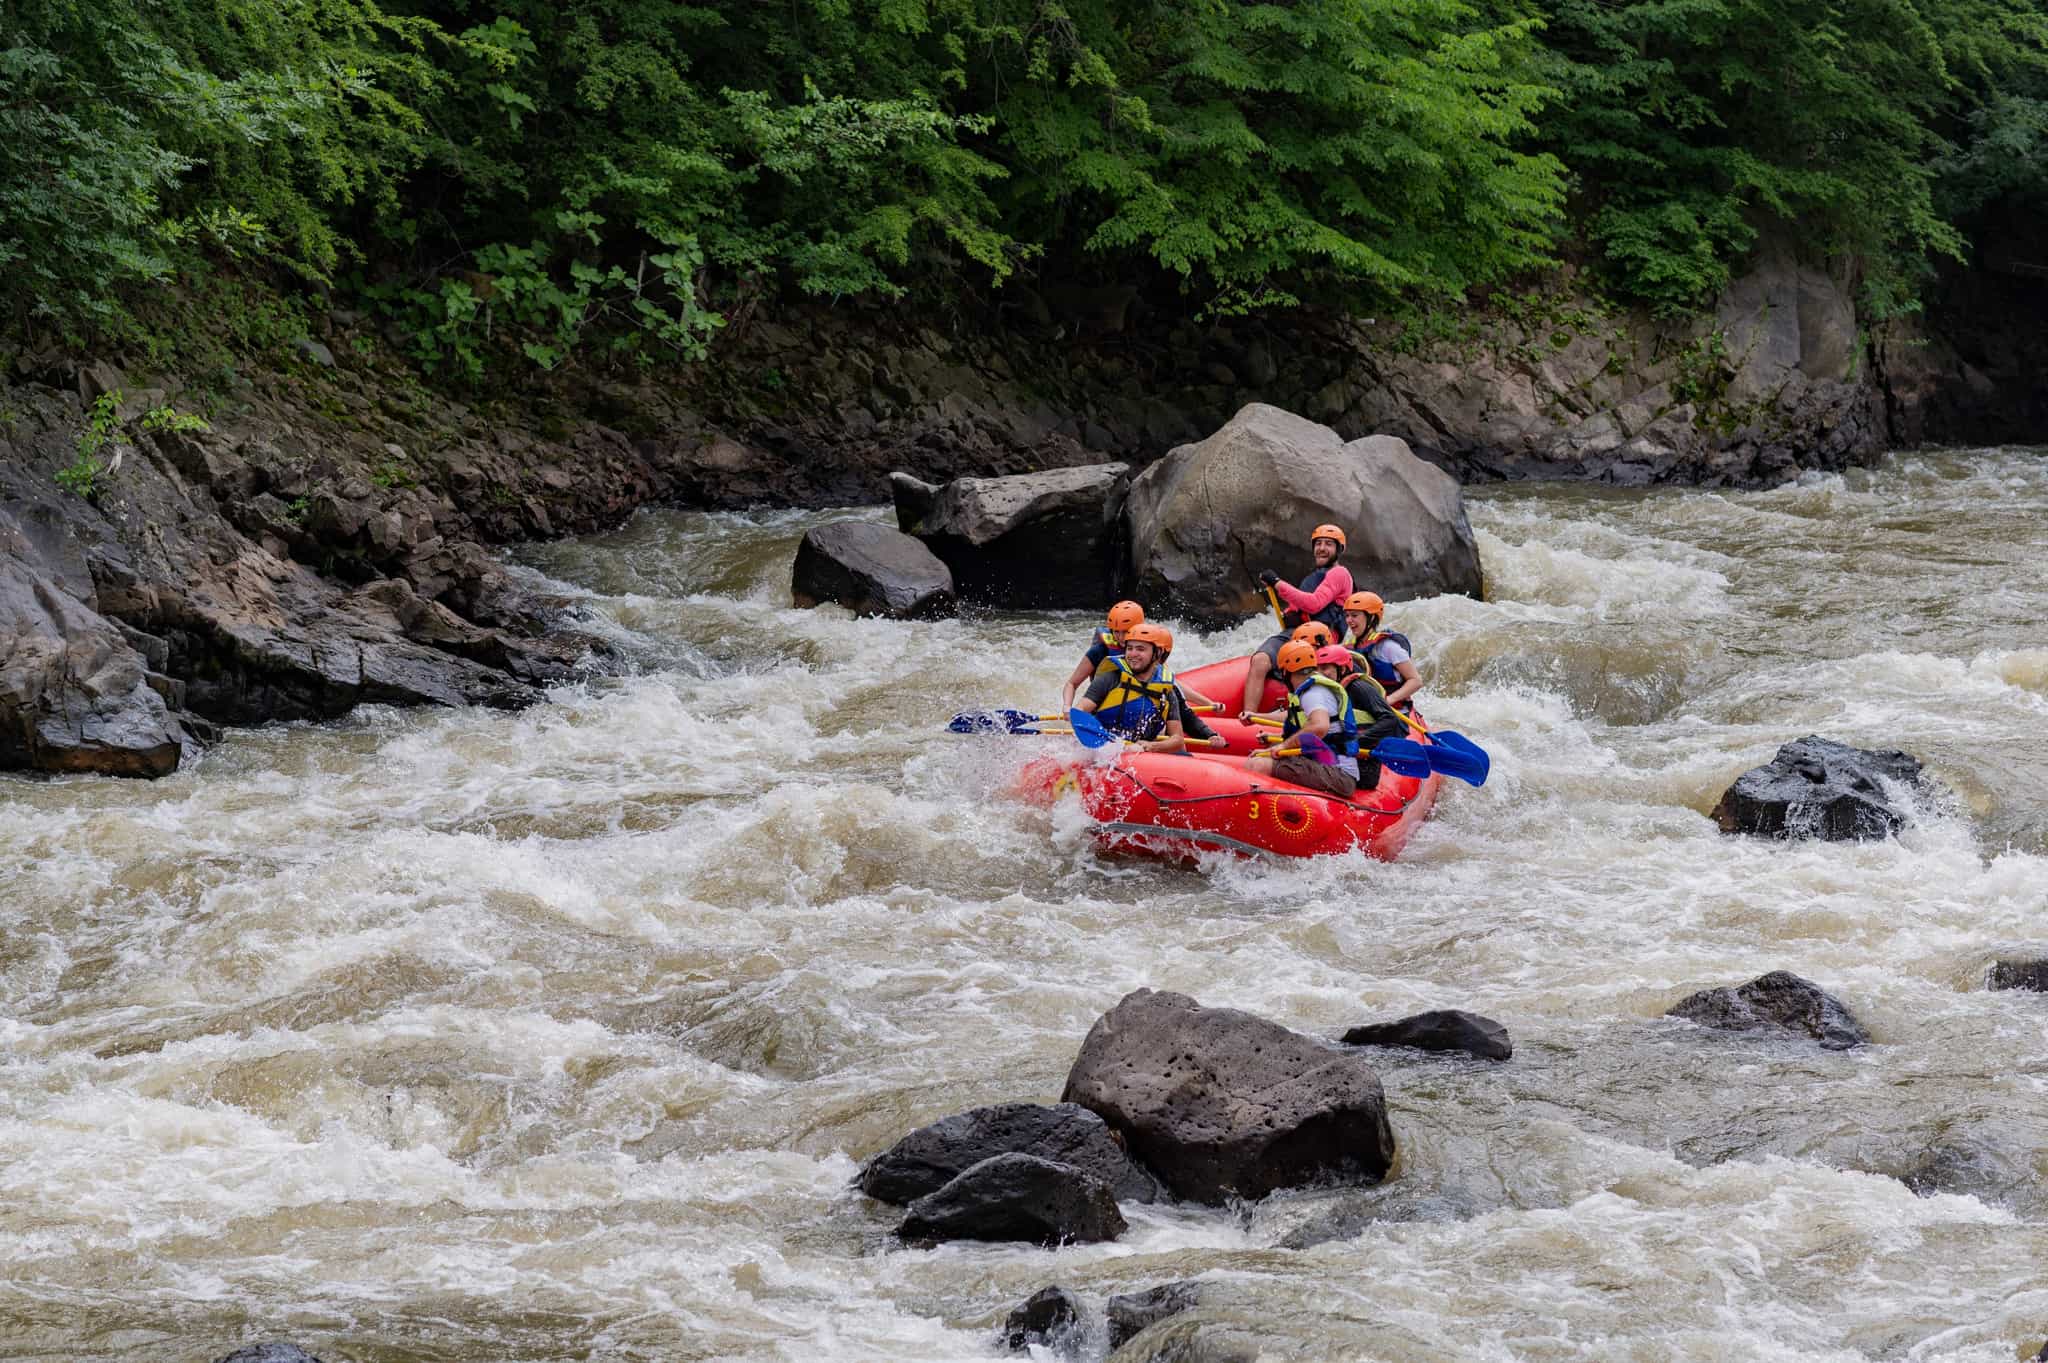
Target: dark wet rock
[
  {"x": 2028, "y": 973},
  {"x": 1445, "y": 1029},
  {"x": 871, "y": 570},
  {"x": 1817, "y": 788},
  {"x": 1223, "y": 1104},
  {"x": 269, "y": 1353},
  {"x": 76, "y": 693},
  {"x": 1050, "y": 1317},
  {"x": 1779, "y": 1001},
  {"x": 932, "y": 1156},
  {"x": 1976, "y": 1164},
  {"x": 1207, "y": 517},
  {"x": 1029, "y": 540},
  {"x": 1350, "y": 1217},
  {"x": 1131, "y": 1313},
  {"x": 1017, "y": 1197}
]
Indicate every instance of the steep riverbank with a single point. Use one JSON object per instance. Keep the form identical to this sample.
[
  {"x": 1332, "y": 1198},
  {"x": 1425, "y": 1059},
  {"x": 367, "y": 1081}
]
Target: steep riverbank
[{"x": 322, "y": 539}]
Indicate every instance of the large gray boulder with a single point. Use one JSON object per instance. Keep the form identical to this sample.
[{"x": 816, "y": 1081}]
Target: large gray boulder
[
  {"x": 1817, "y": 788},
  {"x": 1031, "y": 539},
  {"x": 1017, "y": 1197},
  {"x": 871, "y": 570},
  {"x": 1207, "y": 517},
  {"x": 1777, "y": 1002},
  {"x": 75, "y": 694},
  {"x": 932, "y": 1156},
  {"x": 1222, "y": 1104}
]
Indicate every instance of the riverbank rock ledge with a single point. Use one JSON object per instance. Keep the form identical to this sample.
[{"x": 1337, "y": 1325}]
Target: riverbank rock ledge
[
  {"x": 1444, "y": 1029},
  {"x": 871, "y": 570},
  {"x": 1029, "y": 540},
  {"x": 932, "y": 1156},
  {"x": 1779, "y": 1001},
  {"x": 1223, "y": 1104},
  {"x": 1209, "y": 516},
  {"x": 1017, "y": 1197},
  {"x": 1817, "y": 788}
]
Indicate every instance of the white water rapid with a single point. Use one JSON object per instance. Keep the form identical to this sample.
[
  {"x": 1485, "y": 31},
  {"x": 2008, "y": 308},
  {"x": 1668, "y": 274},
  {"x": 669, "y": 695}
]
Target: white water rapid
[{"x": 559, "y": 1035}]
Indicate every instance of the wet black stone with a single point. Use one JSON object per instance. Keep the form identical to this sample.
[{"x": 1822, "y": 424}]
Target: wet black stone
[
  {"x": 1349, "y": 1219},
  {"x": 269, "y": 1353},
  {"x": 1050, "y": 1317},
  {"x": 871, "y": 570},
  {"x": 2020, "y": 974},
  {"x": 1816, "y": 788},
  {"x": 1132, "y": 1312},
  {"x": 1445, "y": 1029},
  {"x": 1017, "y": 1197},
  {"x": 1779, "y": 1001},
  {"x": 932, "y": 1156}
]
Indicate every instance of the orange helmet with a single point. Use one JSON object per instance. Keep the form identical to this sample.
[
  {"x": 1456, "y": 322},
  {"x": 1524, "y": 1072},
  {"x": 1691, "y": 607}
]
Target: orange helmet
[
  {"x": 1125, "y": 616},
  {"x": 1337, "y": 656},
  {"x": 1297, "y": 656},
  {"x": 1159, "y": 636},
  {"x": 1314, "y": 632},
  {"x": 1327, "y": 532},
  {"x": 1369, "y": 602}
]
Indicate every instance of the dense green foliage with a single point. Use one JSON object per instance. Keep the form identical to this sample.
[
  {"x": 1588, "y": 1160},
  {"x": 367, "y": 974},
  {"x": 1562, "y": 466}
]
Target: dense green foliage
[{"x": 612, "y": 177}]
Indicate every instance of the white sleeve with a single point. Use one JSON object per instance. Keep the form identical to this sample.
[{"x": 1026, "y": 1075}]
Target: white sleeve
[{"x": 1391, "y": 653}]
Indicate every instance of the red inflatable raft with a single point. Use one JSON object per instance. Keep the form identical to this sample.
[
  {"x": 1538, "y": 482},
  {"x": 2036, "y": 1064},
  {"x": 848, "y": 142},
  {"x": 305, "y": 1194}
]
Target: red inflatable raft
[{"x": 1179, "y": 806}]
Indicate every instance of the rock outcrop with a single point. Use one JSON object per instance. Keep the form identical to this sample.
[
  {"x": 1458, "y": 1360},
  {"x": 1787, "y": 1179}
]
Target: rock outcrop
[
  {"x": 932, "y": 1156},
  {"x": 1222, "y": 1104},
  {"x": 1779, "y": 1002},
  {"x": 1016, "y": 1197},
  {"x": 1034, "y": 540},
  {"x": 1207, "y": 517},
  {"x": 1817, "y": 788},
  {"x": 1447, "y": 1029},
  {"x": 871, "y": 570}
]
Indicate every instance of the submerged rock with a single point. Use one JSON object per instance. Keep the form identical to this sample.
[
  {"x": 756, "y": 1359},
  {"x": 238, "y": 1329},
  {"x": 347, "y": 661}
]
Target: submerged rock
[
  {"x": 1031, "y": 539},
  {"x": 1207, "y": 517},
  {"x": 932, "y": 1156},
  {"x": 269, "y": 1353},
  {"x": 1050, "y": 1317},
  {"x": 1017, "y": 1197},
  {"x": 1223, "y": 1104},
  {"x": 1131, "y": 1313},
  {"x": 1197, "y": 1337},
  {"x": 1349, "y": 1218},
  {"x": 2020, "y": 974},
  {"x": 1446, "y": 1029},
  {"x": 871, "y": 570},
  {"x": 1817, "y": 788},
  {"x": 1779, "y": 1001}
]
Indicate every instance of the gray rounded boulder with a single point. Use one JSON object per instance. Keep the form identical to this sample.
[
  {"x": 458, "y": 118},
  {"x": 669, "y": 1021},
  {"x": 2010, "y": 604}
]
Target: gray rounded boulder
[
  {"x": 871, "y": 570},
  {"x": 1207, "y": 517}
]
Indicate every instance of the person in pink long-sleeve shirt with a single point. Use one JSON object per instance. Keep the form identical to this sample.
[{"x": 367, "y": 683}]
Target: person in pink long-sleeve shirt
[{"x": 1319, "y": 597}]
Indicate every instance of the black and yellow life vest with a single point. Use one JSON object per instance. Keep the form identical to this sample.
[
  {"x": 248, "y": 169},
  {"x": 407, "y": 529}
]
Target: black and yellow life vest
[
  {"x": 1135, "y": 707},
  {"x": 1381, "y": 671},
  {"x": 1343, "y": 737}
]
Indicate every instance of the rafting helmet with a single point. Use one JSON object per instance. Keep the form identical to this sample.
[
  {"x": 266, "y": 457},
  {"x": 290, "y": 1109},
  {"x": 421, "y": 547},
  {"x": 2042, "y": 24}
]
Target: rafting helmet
[
  {"x": 1297, "y": 656},
  {"x": 1159, "y": 636},
  {"x": 1314, "y": 632},
  {"x": 1369, "y": 602},
  {"x": 1328, "y": 532},
  {"x": 1126, "y": 616},
  {"x": 1337, "y": 656}
]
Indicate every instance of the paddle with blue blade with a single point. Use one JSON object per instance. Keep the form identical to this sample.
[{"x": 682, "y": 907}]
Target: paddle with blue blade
[
  {"x": 999, "y": 722},
  {"x": 1467, "y": 760},
  {"x": 1088, "y": 729}
]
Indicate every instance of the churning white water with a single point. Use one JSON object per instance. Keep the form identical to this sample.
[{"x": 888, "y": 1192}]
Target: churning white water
[{"x": 474, "y": 1036}]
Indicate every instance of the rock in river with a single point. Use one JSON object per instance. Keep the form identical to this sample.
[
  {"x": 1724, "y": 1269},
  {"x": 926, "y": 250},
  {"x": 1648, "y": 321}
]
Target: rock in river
[
  {"x": 2025, "y": 973},
  {"x": 871, "y": 570},
  {"x": 1017, "y": 1197},
  {"x": 1816, "y": 788},
  {"x": 1051, "y": 1317},
  {"x": 270, "y": 1353},
  {"x": 1445, "y": 1029},
  {"x": 932, "y": 1156},
  {"x": 1207, "y": 517},
  {"x": 1779, "y": 1001},
  {"x": 1130, "y": 1313},
  {"x": 1036, "y": 540},
  {"x": 1223, "y": 1104}
]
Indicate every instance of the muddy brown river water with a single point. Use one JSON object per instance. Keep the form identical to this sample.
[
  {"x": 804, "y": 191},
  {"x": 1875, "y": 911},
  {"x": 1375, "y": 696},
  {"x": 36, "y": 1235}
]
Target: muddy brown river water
[{"x": 558, "y": 1035}]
